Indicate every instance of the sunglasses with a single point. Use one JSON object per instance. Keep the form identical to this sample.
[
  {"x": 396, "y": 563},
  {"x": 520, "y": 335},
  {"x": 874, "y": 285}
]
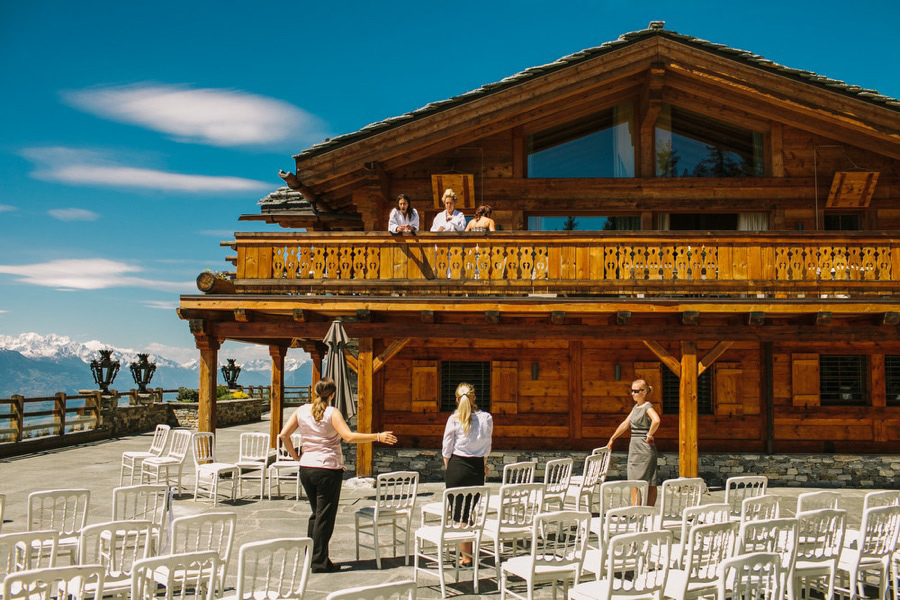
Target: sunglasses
[{"x": 637, "y": 391}]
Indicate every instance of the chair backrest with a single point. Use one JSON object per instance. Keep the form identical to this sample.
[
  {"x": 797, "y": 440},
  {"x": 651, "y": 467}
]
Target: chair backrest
[
  {"x": 559, "y": 540},
  {"x": 160, "y": 437},
  {"x": 772, "y": 535},
  {"x": 882, "y": 498},
  {"x": 592, "y": 473},
  {"x": 754, "y": 576},
  {"x": 28, "y": 550},
  {"x": 148, "y": 502},
  {"x": 817, "y": 501},
  {"x": 557, "y": 475},
  {"x": 617, "y": 494},
  {"x": 2, "y": 509},
  {"x": 203, "y": 446},
  {"x": 465, "y": 508},
  {"x": 204, "y": 532},
  {"x": 114, "y": 545},
  {"x": 739, "y": 488},
  {"x": 64, "y": 511},
  {"x": 396, "y": 491},
  {"x": 707, "y": 546},
  {"x": 398, "y": 590},
  {"x": 637, "y": 564},
  {"x": 879, "y": 531},
  {"x": 820, "y": 534},
  {"x": 760, "y": 508},
  {"x": 83, "y": 582},
  {"x": 520, "y": 472},
  {"x": 628, "y": 519},
  {"x": 181, "y": 444},
  {"x": 677, "y": 495},
  {"x": 519, "y": 503},
  {"x": 186, "y": 575},
  {"x": 606, "y": 453},
  {"x": 276, "y": 568},
  {"x": 254, "y": 447},
  {"x": 282, "y": 455},
  {"x": 705, "y": 514}
]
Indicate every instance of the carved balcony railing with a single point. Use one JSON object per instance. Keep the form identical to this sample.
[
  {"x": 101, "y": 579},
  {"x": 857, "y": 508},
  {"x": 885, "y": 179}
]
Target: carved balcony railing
[{"x": 596, "y": 263}]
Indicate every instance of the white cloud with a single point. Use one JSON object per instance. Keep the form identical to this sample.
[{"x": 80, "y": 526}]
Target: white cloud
[
  {"x": 161, "y": 304},
  {"x": 73, "y": 214},
  {"x": 89, "y": 274},
  {"x": 8, "y": 208},
  {"x": 220, "y": 117}
]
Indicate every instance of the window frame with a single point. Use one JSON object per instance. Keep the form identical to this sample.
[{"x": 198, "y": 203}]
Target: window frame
[
  {"x": 447, "y": 404},
  {"x": 864, "y": 389},
  {"x": 704, "y": 381},
  {"x": 582, "y": 213}
]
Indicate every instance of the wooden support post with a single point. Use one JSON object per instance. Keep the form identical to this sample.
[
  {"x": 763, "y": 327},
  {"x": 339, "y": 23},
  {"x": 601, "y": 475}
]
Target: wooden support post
[
  {"x": 713, "y": 355},
  {"x": 59, "y": 413},
  {"x": 687, "y": 412},
  {"x": 316, "y": 369},
  {"x": 388, "y": 353},
  {"x": 206, "y": 410},
  {"x": 18, "y": 415},
  {"x": 364, "y": 406},
  {"x": 575, "y": 389},
  {"x": 276, "y": 399},
  {"x": 768, "y": 394},
  {"x": 663, "y": 355}
]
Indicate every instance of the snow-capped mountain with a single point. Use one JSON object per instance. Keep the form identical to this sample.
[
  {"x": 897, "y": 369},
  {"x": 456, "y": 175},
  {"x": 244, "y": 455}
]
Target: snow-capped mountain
[{"x": 52, "y": 346}]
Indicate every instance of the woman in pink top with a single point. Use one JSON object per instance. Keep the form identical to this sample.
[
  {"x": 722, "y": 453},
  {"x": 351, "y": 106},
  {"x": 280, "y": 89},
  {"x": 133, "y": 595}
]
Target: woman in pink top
[{"x": 322, "y": 464}]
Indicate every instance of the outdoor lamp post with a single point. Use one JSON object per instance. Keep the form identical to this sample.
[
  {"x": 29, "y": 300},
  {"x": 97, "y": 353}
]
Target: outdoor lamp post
[
  {"x": 231, "y": 372},
  {"x": 104, "y": 370},
  {"x": 142, "y": 372}
]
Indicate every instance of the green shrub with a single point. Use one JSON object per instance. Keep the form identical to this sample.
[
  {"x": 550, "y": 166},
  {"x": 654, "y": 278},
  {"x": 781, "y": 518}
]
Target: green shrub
[{"x": 187, "y": 395}]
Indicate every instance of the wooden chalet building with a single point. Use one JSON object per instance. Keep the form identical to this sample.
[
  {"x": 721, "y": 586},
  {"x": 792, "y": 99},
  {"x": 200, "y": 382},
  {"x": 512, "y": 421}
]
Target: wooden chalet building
[{"x": 668, "y": 208}]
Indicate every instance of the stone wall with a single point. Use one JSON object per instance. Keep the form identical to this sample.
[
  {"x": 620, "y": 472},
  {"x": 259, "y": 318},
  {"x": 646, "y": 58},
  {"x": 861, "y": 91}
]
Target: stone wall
[{"x": 127, "y": 420}]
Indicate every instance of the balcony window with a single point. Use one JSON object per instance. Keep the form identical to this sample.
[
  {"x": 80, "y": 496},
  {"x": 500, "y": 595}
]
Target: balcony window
[
  {"x": 892, "y": 379},
  {"x": 600, "y": 145},
  {"x": 454, "y": 372},
  {"x": 842, "y": 380},
  {"x": 671, "y": 392},
  {"x": 583, "y": 223},
  {"x": 689, "y": 144},
  {"x": 841, "y": 222}
]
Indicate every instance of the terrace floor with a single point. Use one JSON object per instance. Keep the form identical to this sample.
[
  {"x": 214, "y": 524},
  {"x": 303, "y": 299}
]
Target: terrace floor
[{"x": 96, "y": 467}]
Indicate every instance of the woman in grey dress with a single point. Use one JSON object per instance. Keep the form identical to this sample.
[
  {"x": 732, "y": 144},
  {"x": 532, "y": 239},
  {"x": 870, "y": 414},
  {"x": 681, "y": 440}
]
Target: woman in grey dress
[{"x": 642, "y": 457}]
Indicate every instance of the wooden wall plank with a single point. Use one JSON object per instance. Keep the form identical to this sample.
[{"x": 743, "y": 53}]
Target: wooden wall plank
[{"x": 805, "y": 379}]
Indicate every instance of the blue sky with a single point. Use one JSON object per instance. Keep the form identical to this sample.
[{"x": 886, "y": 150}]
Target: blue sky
[{"x": 134, "y": 133}]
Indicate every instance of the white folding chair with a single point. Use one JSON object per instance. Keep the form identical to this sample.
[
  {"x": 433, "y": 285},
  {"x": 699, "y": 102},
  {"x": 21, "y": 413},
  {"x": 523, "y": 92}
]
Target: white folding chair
[
  {"x": 208, "y": 472},
  {"x": 398, "y": 590},
  {"x": 558, "y": 542},
  {"x": 707, "y": 546},
  {"x": 519, "y": 503},
  {"x": 169, "y": 467},
  {"x": 276, "y": 568},
  {"x": 395, "y": 501},
  {"x": 760, "y": 508},
  {"x": 616, "y": 494},
  {"x": 778, "y": 536},
  {"x": 28, "y": 550},
  {"x": 737, "y": 489},
  {"x": 252, "y": 460},
  {"x": 115, "y": 546},
  {"x": 144, "y": 502},
  {"x": 133, "y": 460},
  {"x": 64, "y": 511},
  {"x": 616, "y": 521},
  {"x": 285, "y": 467},
  {"x": 520, "y": 472},
  {"x": 637, "y": 564},
  {"x": 677, "y": 495},
  {"x": 872, "y": 554},
  {"x": 820, "y": 536},
  {"x": 580, "y": 493},
  {"x": 705, "y": 514},
  {"x": 84, "y": 582},
  {"x": 754, "y": 576},
  {"x": 817, "y": 501},
  {"x": 185, "y": 575},
  {"x": 462, "y": 520},
  {"x": 205, "y": 532},
  {"x": 557, "y": 475}
]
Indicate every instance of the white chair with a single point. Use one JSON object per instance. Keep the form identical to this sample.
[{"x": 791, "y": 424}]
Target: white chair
[
  {"x": 133, "y": 460},
  {"x": 707, "y": 546},
  {"x": 398, "y": 590},
  {"x": 737, "y": 489},
  {"x": 877, "y": 542},
  {"x": 28, "y": 550},
  {"x": 205, "y": 532},
  {"x": 183, "y": 576},
  {"x": 519, "y": 503},
  {"x": 760, "y": 508},
  {"x": 677, "y": 495},
  {"x": 616, "y": 494},
  {"x": 64, "y": 511},
  {"x": 2, "y": 509},
  {"x": 557, "y": 475},
  {"x": 144, "y": 502},
  {"x": 207, "y": 471},
  {"x": 395, "y": 501},
  {"x": 285, "y": 467},
  {"x": 604, "y": 470},
  {"x": 580, "y": 493},
  {"x": 778, "y": 536},
  {"x": 705, "y": 514},
  {"x": 252, "y": 460},
  {"x": 76, "y": 581},
  {"x": 616, "y": 521},
  {"x": 558, "y": 542},
  {"x": 169, "y": 467},
  {"x": 115, "y": 546},
  {"x": 637, "y": 564},
  {"x": 462, "y": 520},
  {"x": 276, "y": 568},
  {"x": 754, "y": 576},
  {"x": 820, "y": 536},
  {"x": 520, "y": 472},
  {"x": 817, "y": 501},
  {"x": 881, "y": 498}
]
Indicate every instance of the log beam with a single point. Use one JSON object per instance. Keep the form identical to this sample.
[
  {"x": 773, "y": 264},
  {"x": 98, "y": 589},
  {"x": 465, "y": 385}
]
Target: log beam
[
  {"x": 364, "y": 405},
  {"x": 663, "y": 355},
  {"x": 352, "y": 362},
  {"x": 688, "y": 459},
  {"x": 276, "y": 397},
  {"x": 208, "y": 371},
  {"x": 389, "y": 353},
  {"x": 713, "y": 355}
]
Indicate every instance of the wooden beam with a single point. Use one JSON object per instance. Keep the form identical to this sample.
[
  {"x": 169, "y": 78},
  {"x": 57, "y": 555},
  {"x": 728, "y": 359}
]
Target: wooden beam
[
  {"x": 241, "y": 315},
  {"x": 352, "y": 362},
  {"x": 576, "y": 405},
  {"x": 208, "y": 372},
  {"x": 688, "y": 459},
  {"x": 663, "y": 355},
  {"x": 276, "y": 396},
  {"x": 713, "y": 355},
  {"x": 299, "y": 315},
  {"x": 364, "y": 406},
  {"x": 389, "y": 353},
  {"x": 776, "y": 148},
  {"x": 384, "y": 182}
]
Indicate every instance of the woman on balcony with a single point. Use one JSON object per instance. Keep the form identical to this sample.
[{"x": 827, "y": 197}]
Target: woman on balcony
[
  {"x": 449, "y": 219},
  {"x": 404, "y": 218},
  {"x": 642, "y": 455},
  {"x": 482, "y": 221}
]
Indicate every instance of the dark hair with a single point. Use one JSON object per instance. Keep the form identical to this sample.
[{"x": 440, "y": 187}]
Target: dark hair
[
  {"x": 409, "y": 208},
  {"x": 484, "y": 211},
  {"x": 325, "y": 388}
]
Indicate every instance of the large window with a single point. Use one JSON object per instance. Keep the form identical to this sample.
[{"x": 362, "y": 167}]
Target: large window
[
  {"x": 892, "y": 379},
  {"x": 454, "y": 372},
  {"x": 689, "y": 144},
  {"x": 600, "y": 145},
  {"x": 582, "y": 223},
  {"x": 841, "y": 222},
  {"x": 842, "y": 379},
  {"x": 671, "y": 392}
]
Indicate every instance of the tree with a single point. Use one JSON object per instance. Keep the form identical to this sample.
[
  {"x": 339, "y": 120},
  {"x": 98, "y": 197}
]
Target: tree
[{"x": 570, "y": 224}]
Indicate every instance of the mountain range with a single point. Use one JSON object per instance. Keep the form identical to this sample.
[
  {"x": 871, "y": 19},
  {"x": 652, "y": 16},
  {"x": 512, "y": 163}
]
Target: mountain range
[{"x": 41, "y": 365}]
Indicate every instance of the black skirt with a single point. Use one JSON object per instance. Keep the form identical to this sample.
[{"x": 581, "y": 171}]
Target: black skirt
[{"x": 464, "y": 471}]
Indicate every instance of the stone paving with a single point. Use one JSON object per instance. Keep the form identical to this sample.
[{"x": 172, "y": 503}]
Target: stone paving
[{"x": 96, "y": 466}]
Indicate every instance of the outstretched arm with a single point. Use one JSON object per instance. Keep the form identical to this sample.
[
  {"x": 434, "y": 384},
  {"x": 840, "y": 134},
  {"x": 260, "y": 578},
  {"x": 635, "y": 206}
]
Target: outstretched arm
[
  {"x": 340, "y": 425},
  {"x": 619, "y": 431}
]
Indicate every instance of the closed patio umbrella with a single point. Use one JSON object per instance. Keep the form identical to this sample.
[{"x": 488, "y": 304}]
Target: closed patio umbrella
[{"x": 336, "y": 368}]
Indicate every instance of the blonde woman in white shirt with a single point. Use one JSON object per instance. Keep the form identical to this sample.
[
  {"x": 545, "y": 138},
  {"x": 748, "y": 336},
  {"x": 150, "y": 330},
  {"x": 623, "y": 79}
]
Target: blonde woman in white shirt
[
  {"x": 404, "y": 217},
  {"x": 467, "y": 444},
  {"x": 449, "y": 219}
]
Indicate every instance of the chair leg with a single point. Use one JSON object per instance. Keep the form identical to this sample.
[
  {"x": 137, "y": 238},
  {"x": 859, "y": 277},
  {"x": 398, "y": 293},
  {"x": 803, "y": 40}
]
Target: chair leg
[
  {"x": 375, "y": 543},
  {"x": 357, "y": 536},
  {"x": 440, "y": 557},
  {"x": 406, "y": 547}
]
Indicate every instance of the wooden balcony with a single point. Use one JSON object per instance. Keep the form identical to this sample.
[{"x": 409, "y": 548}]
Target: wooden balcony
[{"x": 772, "y": 264}]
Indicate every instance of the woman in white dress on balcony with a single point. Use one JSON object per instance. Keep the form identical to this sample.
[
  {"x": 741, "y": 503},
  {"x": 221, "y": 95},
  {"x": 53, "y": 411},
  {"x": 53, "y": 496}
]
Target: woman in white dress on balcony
[
  {"x": 449, "y": 219},
  {"x": 404, "y": 218}
]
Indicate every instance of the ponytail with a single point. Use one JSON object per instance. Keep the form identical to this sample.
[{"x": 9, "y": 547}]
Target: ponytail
[
  {"x": 325, "y": 388},
  {"x": 465, "y": 404}
]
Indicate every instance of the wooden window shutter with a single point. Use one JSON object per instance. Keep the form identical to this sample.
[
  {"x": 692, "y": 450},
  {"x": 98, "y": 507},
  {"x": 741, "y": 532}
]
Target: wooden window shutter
[
  {"x": 650, "y": 372},
  {"x": 805, "y": 380},
  {"x": 504, "y": 387},
  {"x": 426, "y": 386},
  {"x": 727, "y": 384}
]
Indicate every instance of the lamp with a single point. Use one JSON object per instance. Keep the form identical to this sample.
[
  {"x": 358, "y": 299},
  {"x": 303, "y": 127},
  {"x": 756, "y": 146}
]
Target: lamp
[
  {"x": 104, "y": 370},
  {"x": 231, "y": 372},
  {"x": 617, "y": 372},
  {"x": 142, "y": 372},
  {"x": 534, "y": 371}
]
